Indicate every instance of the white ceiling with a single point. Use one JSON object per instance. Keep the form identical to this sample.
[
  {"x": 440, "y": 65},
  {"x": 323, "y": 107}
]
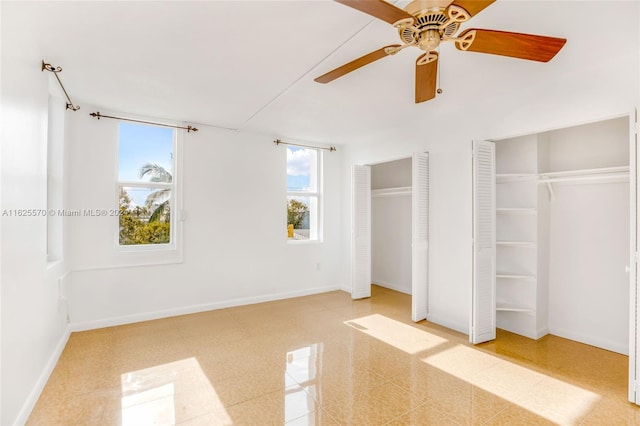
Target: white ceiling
[{"x": 251, "y": 64}]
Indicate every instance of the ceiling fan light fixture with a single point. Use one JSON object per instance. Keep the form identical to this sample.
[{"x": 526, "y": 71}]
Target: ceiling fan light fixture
[{"x": 429, "y": 40}]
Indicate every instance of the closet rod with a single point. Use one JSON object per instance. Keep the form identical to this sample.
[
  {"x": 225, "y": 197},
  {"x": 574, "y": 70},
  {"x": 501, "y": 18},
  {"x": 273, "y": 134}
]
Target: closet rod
[
  {"x": 583, "y": 177},
  {"x": 583, "y": 172},
  {"x": 188, "y": 128},
  {"x": 391, "y": 192},
  {"x": 55, "y": 71},
  {"x": 330, "y": 149}
]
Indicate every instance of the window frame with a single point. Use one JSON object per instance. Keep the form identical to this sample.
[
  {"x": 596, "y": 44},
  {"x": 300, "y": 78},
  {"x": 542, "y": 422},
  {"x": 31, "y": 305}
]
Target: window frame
[
  {"x": 317, "y": 194},
  {"x": 175, "y": 234}
]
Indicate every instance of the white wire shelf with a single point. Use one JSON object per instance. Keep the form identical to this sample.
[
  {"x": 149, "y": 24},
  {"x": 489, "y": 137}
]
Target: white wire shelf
[
  {"x": 512, "y": 308},
  {"x": 516, "y": 210},
  {"x": 515, "y": 276},
  {"x": 515, "y": 177},
  {"x": 391, "y": 192},
  {"x": 516, "y": 243}
]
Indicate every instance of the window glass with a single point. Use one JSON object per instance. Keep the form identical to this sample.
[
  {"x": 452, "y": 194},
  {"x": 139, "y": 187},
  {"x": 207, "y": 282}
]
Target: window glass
[
  {"x": 146, "y": 184},
  {"x": 303, "y": 195}
]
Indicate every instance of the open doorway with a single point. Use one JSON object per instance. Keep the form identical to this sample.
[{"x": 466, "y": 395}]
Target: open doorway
[{"x": 391, "y": 225}]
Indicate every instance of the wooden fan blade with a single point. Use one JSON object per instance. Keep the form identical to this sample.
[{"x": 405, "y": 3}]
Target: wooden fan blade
[
  {"x": 516, "y": 45},
  {"x": 473, "y": 6},
  {"x": 379, "y": 9},
  {"x": 355, "y": 64},
  {"x": 426, "y": 77}
]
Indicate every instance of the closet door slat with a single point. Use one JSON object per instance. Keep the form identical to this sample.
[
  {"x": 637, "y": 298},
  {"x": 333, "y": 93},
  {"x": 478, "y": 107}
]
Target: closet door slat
[
  {"x": 420, "y": 239},
  {"x": 361, "y": 232}
]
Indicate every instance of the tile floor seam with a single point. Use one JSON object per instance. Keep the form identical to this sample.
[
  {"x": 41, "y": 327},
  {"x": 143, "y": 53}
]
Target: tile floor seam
[
  {"x": 494, "y": 416},
  {"x": 193, "y": 418},
  {"x": 252, "y": 398},
  {"x": 330, "y": 416},
  {"x": 405, "y": 413}
]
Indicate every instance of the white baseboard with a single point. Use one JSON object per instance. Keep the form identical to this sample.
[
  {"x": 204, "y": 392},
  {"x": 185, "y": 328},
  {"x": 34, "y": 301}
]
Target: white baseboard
[
  {"x": 31, "y": 400},
  {"x": 542, "y": 332},
  {"x": 391, "y": 286},
  {"x": 519, "y": 331},
  {"x": 590, "y": 340},
  {"x": 192, "y": 309},
  {"x": 464, "y": 329}
]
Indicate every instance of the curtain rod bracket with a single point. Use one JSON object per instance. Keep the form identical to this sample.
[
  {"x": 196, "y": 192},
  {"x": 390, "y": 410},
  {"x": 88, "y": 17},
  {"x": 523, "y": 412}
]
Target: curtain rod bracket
[{"x": 55, "y": 71}]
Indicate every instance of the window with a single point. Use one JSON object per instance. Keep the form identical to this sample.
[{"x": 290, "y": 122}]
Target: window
[
  {"x": 303, "y": 193},
  {"x": 146, "y": 185}
]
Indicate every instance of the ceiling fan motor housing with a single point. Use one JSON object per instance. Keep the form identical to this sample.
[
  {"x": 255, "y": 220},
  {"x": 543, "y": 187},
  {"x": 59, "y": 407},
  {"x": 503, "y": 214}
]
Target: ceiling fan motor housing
[{"x": 429, "y": 24}]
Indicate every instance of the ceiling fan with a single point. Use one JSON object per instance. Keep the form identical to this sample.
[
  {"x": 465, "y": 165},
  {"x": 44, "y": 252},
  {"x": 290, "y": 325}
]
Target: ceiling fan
[{"x": 426, "y": 23}]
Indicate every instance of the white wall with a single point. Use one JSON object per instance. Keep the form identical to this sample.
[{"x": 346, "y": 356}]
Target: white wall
[
  {"x": 391, "y": 174},
  {"x": 391, "y": 242},
  {"x": 593, "y": 145},
  {"x": 33, "y": 322},
  {"x": 235, "y": 247},
  {"x": 576, "y": 90},
  {"x": 588, "y": 285}
]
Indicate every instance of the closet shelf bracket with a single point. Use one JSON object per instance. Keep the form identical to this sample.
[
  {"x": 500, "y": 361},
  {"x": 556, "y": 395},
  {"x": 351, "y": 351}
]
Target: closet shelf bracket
[{"x": 552, "y": 194}]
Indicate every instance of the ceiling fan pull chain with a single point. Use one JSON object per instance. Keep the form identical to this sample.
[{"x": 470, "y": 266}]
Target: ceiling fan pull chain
[{"x": 439, "y": 90}]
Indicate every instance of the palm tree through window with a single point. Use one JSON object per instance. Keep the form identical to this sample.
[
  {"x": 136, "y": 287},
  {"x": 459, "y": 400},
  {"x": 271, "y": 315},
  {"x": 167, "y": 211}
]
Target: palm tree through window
[{"x": 146, "y": 187}]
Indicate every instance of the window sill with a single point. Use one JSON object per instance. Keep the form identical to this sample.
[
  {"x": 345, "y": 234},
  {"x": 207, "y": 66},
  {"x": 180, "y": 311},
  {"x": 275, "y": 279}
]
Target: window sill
[
  {"x": 303, "y": 242},
  {"x": 147, "y": 248},
  {"x": 51, "y": 264},
  {"x": 135, "y": 262}
]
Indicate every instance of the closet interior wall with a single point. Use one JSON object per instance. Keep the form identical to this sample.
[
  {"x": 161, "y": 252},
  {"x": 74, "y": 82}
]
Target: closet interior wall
[
  {"x": 391, "y": 224},
  {"x": 589, "y": 237}
]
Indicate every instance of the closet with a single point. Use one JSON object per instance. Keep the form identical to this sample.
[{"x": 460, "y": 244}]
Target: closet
[
  {"x": 562, "y": 234},
  {"x": 390, "y": 222}
]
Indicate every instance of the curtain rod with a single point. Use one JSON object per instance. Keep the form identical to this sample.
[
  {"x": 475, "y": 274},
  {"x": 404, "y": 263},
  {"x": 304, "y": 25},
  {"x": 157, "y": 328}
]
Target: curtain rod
[
  {"x": 330, "y": 149},
  {"x": 55, "y": 71},
  {"x": 188, "y": 128}
]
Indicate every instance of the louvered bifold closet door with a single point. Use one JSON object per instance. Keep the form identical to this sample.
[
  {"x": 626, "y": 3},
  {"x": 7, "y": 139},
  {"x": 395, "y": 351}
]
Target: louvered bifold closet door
[
  {"x": 634, "y": 297},
  {"x": 420, "y": 236},
  {"x": 483, "y": 306},
  {"x": 361, "y": 233}
]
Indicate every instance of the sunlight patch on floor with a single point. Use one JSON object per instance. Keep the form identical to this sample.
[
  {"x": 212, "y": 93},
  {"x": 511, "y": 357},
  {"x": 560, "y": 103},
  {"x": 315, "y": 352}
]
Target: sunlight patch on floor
[
  {"x": 162, "y": 394},
  {"x": 542, "y": 395},
  {"x": 154, "y": 406},
  {"x": 395, "y": 333},
  {"x": 545, "y": 396}
]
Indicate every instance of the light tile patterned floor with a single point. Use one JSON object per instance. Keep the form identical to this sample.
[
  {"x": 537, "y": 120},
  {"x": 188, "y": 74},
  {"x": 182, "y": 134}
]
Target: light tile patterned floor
[{"x": 326, "y": 359}]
